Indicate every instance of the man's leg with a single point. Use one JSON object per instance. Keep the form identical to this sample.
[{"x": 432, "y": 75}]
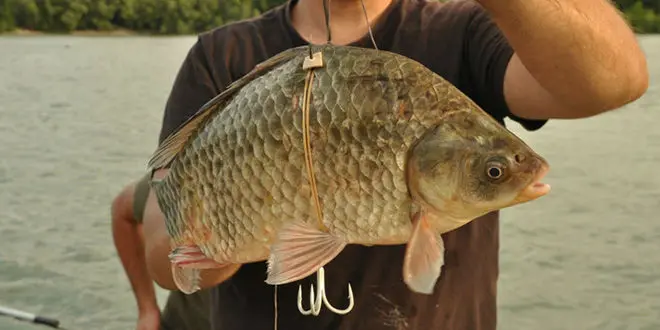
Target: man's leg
[
  {"x": 181, "y": 312},
  {"x": 187, "y": 312},
  {"x": 128, "y": 240}
]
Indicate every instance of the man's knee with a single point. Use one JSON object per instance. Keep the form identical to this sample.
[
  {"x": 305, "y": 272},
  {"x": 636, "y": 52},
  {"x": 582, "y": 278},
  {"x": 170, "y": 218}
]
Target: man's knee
[
  {"x": 131, "y": 200},
  {"x": 122, "y": 204}
]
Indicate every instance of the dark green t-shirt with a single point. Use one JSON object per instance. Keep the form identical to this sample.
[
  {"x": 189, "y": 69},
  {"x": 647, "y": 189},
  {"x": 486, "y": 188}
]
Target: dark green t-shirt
[{"x": 458, "y": 41}]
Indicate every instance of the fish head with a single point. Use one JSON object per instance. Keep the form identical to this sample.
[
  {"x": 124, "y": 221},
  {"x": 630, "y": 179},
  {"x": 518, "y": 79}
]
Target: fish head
[{"x": 468, "y": 165}]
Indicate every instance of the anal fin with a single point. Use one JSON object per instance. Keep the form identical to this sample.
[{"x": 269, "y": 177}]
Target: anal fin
[
  {"x": 187, "y": 263},
  {"x": 299, "y": 251},
  {"x": 186, "y": 279},
  {"x": 425, "y": 255}
]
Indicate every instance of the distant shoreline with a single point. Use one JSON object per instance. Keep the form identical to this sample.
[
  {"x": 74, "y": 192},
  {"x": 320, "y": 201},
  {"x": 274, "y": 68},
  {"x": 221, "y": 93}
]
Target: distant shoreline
[
  {"x": 120, "y": 33},
  {"x": 89, "y": 33}
]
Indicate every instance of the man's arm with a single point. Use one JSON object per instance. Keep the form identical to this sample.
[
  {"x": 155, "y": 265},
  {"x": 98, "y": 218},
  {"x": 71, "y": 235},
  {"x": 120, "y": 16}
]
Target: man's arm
[
  {"x": 573, "y": 58},
  {"x": 158, "y": 247},
  {"x": 129, "y": 245}
]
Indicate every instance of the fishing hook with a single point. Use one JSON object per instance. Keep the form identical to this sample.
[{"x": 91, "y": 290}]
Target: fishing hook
[{"x": 317, "y": 300}]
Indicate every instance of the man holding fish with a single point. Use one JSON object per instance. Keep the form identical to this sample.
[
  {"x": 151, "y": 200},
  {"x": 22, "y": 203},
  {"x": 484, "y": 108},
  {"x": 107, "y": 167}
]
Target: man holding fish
[{"x": 529, "y": 60}]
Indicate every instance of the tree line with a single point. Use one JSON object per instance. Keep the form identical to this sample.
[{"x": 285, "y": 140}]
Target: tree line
[{"x": 191, "y": 16}]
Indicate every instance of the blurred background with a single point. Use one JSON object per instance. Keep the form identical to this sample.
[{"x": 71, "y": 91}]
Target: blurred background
[
  {"x": 190, "y": 16},
  {"x": 82, "y": 89}
]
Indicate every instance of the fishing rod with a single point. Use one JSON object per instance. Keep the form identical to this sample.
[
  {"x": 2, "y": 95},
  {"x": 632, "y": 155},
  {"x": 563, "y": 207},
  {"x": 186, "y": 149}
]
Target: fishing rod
[{"x": 29, "y": 317}]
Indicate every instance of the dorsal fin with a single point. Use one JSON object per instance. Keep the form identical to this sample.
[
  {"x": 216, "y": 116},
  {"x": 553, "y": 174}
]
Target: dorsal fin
[{"x": 173, "y": 144}]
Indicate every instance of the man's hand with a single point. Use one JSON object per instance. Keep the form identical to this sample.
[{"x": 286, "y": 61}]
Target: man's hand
[
  {"x": 573, "y": 58},
  {"x": 149, "y": 320},
  {"x": 157, "y": 246}
]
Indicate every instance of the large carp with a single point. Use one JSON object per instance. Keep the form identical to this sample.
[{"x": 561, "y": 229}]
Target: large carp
[{"x": 399, "y": 154}]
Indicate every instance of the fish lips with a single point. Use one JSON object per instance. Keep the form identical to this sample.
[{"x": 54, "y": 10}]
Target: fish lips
[{"x": 536, "y": 188}]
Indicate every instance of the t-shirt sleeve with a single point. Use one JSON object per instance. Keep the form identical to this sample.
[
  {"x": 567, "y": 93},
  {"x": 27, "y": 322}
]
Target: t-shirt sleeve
[
  {"x": 488, "y": 55},
  {"x": 193, "y": 87}
]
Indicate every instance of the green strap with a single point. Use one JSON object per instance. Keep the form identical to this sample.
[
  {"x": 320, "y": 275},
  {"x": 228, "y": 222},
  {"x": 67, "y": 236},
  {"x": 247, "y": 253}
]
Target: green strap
[{"x": 140, "y": 197}]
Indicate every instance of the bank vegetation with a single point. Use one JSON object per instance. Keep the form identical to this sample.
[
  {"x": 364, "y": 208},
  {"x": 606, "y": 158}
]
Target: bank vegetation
[{"x": 170, "y": 17}]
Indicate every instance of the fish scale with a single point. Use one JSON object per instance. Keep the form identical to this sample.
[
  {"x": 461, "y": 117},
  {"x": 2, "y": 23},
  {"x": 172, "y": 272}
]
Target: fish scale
[{"x": 237, "y": 175}]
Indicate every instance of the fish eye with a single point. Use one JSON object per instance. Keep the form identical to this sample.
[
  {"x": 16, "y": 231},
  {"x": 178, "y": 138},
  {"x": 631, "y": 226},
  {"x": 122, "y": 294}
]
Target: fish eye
[{"x": 495, "y": 170}]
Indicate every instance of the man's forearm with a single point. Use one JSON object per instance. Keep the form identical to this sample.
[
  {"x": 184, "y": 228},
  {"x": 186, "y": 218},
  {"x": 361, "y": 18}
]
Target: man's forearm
[
  {"x": 130, "y": 248},
  {"x": 131, "y": 254},
  {"x": 581, "y": 51}
]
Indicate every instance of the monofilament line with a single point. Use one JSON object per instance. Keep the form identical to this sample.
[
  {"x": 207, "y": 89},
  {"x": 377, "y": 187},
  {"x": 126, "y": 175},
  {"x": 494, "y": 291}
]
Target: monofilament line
[
  {"x": 319, "y": 298},
  {"x": 326, "y": 12},
  {"x": 275, "y": 304},
  {"x": 366, "y": 17}
]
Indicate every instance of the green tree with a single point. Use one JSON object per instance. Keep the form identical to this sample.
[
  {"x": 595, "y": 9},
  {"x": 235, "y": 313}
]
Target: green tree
[
  {"x": 643, "y": 19},
  {"x": 7, "y": 22}
]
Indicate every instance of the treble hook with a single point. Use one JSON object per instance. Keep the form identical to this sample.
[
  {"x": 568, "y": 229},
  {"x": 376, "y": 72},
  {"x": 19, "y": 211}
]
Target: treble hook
[{"x": 316, "y": 300}]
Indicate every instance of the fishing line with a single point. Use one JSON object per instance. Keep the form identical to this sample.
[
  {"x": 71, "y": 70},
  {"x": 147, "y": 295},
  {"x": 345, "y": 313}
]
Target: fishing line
[
  {"x": 307, "y": 96},
  {"x": 366, "y": 17},
  {"x": 326, "y": 12},
  {"x": 275, "y": 304},
  {"x": 314, "y": 61}
]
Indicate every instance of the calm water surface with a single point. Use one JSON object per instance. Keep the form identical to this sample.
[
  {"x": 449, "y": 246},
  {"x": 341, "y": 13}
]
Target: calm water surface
[{"x": 79, "y": 116}]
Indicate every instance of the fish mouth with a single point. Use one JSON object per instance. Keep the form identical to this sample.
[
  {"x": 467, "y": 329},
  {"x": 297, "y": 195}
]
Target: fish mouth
[{"x": 536, "y": 188}]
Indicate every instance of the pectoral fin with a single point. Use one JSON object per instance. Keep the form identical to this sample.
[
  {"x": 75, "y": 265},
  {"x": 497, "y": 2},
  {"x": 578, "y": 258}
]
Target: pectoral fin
[
  {"x": 299, "y": 251},
  {"x": 425, "y": 255}
]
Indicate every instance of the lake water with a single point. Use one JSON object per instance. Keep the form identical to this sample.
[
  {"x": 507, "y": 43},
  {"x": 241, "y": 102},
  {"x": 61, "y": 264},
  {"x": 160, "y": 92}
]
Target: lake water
[{"x": 79, "y": 116}]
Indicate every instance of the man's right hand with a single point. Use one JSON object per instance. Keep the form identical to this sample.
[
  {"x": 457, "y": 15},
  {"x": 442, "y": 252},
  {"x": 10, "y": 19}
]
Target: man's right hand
[{"x": 149, "y": 320}]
